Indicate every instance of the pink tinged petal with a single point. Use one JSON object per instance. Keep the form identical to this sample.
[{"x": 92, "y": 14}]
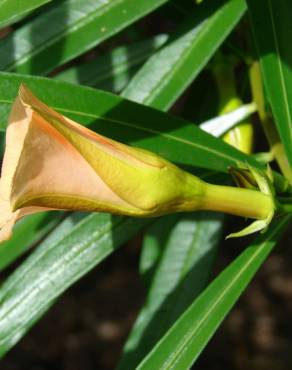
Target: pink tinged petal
[
  {"x": 15, "y": 136},
  {"x": 52, "y": 173},
  {"x": 52, "y": 162},
  {"x": 8, "y": 218},
  {"x": 42, "y": 170},
  {"x": 136, "y": 155},
  {"x": 140, "y": 178}
]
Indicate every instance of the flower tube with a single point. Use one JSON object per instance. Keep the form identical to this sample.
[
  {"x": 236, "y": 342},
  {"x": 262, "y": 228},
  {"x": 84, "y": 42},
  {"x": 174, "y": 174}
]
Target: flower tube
[{"x": 52, "y": 162}]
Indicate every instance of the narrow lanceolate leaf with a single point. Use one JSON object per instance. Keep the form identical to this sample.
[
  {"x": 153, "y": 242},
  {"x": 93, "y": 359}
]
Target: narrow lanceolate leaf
[
  {"x": 171, "y": 137},
  {"x": 113, "y": 70},
  {"x": 272, "y": 24},
  {"x": 66, "y": 30},
  {"x": 187, "y": 246},
  {"x": 12, "y": 10},
  {"x": 56, "y": 265},
  {"x": 186, "y": 339},
  {"x": 27, "y": 232},
  {"x": 167, "y": 73}
]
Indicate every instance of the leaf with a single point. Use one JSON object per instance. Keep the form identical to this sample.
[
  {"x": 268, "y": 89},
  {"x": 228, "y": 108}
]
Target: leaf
[
  {"x": 55, "y": 266},
  {"x": 221, "y": 124},
  {"x": 171, "y": 137},
  {"x": 113, "y": 70},
  {"x": 66, "y": 30},
  {"x": 154, "y": 241},
  {"x": 188, "y": 245},
  {"x": 183, "y": 343},
  {"x": 27, "y": 232},
  {"x": 168, "y": 72},
  {"x": 12, "y": 10},
  {"x": 271, "y": 24}
]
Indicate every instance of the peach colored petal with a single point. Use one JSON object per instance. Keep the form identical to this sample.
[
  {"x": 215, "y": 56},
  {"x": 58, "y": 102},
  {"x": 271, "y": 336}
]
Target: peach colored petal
[
  {"x": 135, "y": 176},
  {"x": 52, "y": 162},
  {"x": 8, "y": 219},
  {"x": 43, "y": 170},
  {"x": 51, "y": 170},
  {"x": 15, "y": 136}
]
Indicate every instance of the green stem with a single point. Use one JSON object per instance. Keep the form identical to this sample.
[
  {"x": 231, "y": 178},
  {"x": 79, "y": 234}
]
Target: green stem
[{"x": 237, "y": 201}]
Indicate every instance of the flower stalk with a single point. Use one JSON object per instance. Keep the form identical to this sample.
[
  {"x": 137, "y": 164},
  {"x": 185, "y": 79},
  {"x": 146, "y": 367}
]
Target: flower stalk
[{"x": 239, "y": 202}]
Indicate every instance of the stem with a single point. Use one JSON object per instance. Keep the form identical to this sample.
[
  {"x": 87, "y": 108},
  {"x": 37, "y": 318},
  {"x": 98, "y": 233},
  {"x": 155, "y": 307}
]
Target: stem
[{"x": 239, "y": 202}]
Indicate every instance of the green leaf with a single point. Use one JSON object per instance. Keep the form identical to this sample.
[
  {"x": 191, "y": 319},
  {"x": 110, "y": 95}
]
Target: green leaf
[
  {"x": 183, "y": 343},
  {"x": 55, "y": 266},
  {"x": 26, "y": 233},
  {"x": 271, "y": 23},
  {"x": 67, "y": 30},
  {"x": 12, "y": 10},
  {"x": 188, "y": 244},
  {"x": 154, "y": 241},
  {"x": 113, "y": 70},
  {"x": 171, "y": 137},
  {"x": 167, "y": 73}
]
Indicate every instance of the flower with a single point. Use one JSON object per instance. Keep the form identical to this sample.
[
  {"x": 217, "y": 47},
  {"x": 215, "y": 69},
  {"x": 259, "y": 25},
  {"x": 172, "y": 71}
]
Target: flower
[{"x": 52, "y": 162}]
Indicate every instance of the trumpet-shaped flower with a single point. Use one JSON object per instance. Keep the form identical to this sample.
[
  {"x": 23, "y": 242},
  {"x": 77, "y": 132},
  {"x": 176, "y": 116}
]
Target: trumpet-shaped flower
[{"x": 52, "y": 162}]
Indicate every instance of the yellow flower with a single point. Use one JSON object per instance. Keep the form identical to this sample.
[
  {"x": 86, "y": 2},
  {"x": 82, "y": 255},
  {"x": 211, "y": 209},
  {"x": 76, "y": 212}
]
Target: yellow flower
[{"x": 52, "y": 162}]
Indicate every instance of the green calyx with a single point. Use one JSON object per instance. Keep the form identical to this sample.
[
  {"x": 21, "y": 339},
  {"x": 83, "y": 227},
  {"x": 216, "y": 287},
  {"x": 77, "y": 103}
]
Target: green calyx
[{"x": 252, "y": 179}]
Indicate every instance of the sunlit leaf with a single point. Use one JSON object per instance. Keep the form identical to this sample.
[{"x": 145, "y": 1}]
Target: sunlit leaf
[
  {"x": 66, "y": 30},
  {"x": 168, "y": 72}
]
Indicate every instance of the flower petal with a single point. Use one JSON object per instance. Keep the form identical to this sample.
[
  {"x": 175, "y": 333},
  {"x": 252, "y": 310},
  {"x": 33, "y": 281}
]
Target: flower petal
[
  {"x": 142, "y": 179},
  {"x": 51, "y": 173}
]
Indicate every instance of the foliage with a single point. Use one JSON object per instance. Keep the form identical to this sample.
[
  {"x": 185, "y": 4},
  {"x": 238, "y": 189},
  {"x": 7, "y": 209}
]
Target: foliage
[{"x": 135, "y": 73}]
